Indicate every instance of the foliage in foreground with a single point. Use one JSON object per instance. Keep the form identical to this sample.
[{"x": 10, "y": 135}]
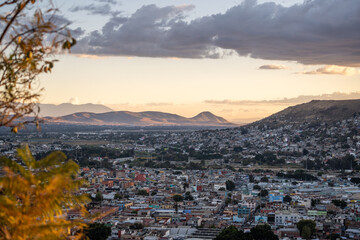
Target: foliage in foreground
[
  {"x": 30, "y": 35},
  {"x": 35, "y": 195}
]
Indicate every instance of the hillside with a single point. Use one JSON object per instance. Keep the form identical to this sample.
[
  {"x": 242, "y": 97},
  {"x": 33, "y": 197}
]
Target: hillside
[
  {"x": 149, "y": 118},
  {"x": 315, "y": 111}
]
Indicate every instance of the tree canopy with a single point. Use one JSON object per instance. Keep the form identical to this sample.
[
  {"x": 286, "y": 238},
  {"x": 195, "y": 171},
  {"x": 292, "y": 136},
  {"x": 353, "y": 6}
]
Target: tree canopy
[
  {"x": 307, "y": 228},
  {"x": 178, "y": 198},
  {"x": 36, "y": 194},
  {"x": 29, "y": 37},
  {"x": 230, "y": 185},
  {"x": 97, "y": 231},
  {"x": 259, "y": 232}
]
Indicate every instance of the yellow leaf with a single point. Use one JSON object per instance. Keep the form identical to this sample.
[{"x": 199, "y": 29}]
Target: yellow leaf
[{"x": 14, "y": 129}]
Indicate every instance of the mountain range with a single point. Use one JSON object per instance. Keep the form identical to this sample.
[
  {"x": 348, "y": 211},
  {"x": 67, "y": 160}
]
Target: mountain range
[
  {"x": 149, "y": 118},
  {"x": 96, "y": 114}
]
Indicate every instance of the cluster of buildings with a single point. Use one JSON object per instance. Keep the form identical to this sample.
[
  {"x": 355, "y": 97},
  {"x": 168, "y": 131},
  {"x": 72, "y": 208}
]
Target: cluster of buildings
[
  {"x": 139, "y": 203},
  {"x": 290, "y": 144}
]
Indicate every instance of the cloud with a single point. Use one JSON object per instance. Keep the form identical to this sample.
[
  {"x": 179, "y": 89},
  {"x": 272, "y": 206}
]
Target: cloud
[
  {"x": 149, "y": 32},
  {"x": 74, "y": 100},
  {"x": 334, "y": 70},
  {"x": 158, "y": 104},
  {"x": 89, "y": 56},
  {"x": 273, "y": 67},
  {"x": 108, "y": 1},
  {"x": 288, "y": 101},
  {"x": 104, "y": 9},
  {"x": 315, "y": 32},
  {"x": 62, "y": 21}
]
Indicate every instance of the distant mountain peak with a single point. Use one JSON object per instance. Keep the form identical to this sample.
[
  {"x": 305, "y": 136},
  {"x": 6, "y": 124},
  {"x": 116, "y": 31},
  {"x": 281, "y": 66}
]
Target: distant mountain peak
[{"x": 209, "y": 117}]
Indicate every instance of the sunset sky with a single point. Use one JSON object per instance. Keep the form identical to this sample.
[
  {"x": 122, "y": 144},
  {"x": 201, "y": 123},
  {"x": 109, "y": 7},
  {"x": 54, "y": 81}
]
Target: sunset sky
[{"x": 237, "y": 59}]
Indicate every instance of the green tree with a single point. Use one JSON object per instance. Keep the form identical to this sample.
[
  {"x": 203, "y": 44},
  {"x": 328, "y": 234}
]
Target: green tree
[
  {"x": 118, "y": 196},
  {"x": 339, "y": 203},
  {"x": 263, "y": 232},
  {"x": 306, "y": 232},
  {"x": 260, "y": 232},
  {"x": 306, "y": 226},
  {"x": 333, "y": 236},
  {"x": 287, "y": 199},
  {"x": 29, "y": 37},
  {"x": 263, "y": 193},
  {"x": 264, "y": 179},
  {"x": 188, "y": 196},
  {"x": 177, "y": 198},
  {"x": 230, "y": 185},
  {"x": 229, "y": 233},
  {"x": 97, "y": 231},
  {"x": 257, "y": 187},
  {"x": 98, "y": 197},
  {"x": 136, "y": 226},
  {"x": 142, "y": 192},
  {"x": 185, "y": 186},
  {"x": 35, "y": 194}
]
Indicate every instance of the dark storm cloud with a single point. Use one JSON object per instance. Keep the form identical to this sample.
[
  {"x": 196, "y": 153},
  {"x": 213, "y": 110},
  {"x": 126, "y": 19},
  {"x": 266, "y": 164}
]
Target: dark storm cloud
[{"x": 316, "y": 32}]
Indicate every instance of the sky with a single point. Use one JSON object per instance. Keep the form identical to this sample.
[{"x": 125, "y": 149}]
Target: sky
[{"x": 240, "y": 59}]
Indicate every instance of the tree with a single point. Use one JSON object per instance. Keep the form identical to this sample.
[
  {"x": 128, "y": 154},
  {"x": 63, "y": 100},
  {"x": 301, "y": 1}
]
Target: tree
[
  {"x": 355, "y": 180},
  {"x": 339, "y": 203},
  {"x": 287, "y": 199},
  {"x": 306, "y": 232},
  {"x": 263, "y": 193},
  {"x": 230, "y": 185},
  {"x": 185, "y": 186},
  {"x": 263, "y": 232},
  {"x": 257, "y": 187},
  {"x": 229, "y": 233},
  {"x": 251, "y": 178},
  {"x": 259, "y": 232},
  {"x": 142, "y": 192},
  {"x": 307, "y": 228},
  {"x": 28, "y": 39},
  {"x": 264, "y": 179},
  {"x": 333, "y": 236},
  {"x": 136, "y": 226},
  {"x": 118, "y": 196},
  {"x": 188, "y": 196},
  {"x": 177, "y": 198},
  {"x": 97, "y": 231},
  {"x": 98, "y": 197},
  {"x": 35, "y": 194}
]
